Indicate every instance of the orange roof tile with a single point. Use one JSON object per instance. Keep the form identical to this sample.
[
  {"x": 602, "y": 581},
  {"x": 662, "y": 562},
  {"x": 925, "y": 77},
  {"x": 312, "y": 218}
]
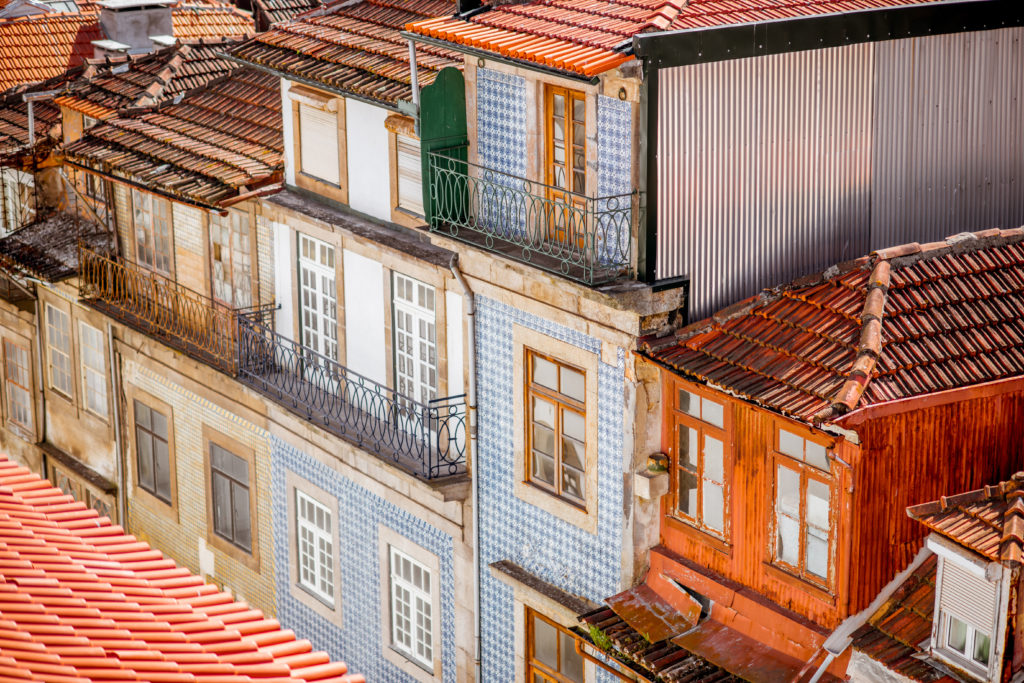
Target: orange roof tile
[
  {"x": 589, "y": 37},
  {"x": 38, "y": 47},
  {"x": 903, "y": 322},
  {"x": 82, "y": 601}
]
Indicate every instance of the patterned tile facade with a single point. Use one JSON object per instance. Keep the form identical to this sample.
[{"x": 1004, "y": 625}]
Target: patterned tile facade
[
  {"x": 614, "y": 172},
  {"x": 357, "y": 639},
  {"x": 501, "y": 121},
  {"x": 561, "y": 553}
]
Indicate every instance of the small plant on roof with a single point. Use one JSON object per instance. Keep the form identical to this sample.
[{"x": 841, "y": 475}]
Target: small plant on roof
[{"x": 600, "y": 638}]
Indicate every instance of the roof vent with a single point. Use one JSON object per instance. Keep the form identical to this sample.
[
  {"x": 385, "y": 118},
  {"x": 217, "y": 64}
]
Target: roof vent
[
  {"x": 108, "y": 48},
  {"x": 133, "y": 22},
  {"x": 163, "y": 41}
]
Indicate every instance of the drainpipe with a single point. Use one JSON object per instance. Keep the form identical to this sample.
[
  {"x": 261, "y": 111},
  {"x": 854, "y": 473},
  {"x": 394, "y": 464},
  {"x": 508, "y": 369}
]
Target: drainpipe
[
  {"x": 31, "y": 124},
  {"x": 467, "y": 295},
  {"x": 115, "y": 381}
]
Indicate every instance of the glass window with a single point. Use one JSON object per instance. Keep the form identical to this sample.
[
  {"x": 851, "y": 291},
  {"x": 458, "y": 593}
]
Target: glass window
[
  {"x": 699, "y": 459},
  {"x": 19, "y": 381},
  {"x": 231, "y": 258},
  {"x": 153, "y": 453},
  {"x": 152, "y": 220},
  {"x": 229, "y": 493},
  {"x": 412, "y": 610},
  {"x": 58, "y": 342},
  {"x": 318, "y": 296},
  {"x": 415, "y": 345},
  {"x": 556, "y": 427},
  {"x": 94, "y": 369},
  {"x": 803, "y": 520},
  {"x": 802, "y": 449},
  {"x": 565, "y": 165},
  {"x": 550, "y": 652},
  {"x": 315, "y": 545}
]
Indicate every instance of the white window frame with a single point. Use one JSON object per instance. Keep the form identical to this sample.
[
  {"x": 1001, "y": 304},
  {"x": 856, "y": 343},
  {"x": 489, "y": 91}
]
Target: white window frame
[
  {"x": 19, "y": 388},
  {"x": 57, "y": 354},
  {"x": 417, "y": 668},
  {"x": 412, "y": 611},
  {"x": 314, "y": 548},
  {"x": 318, "y": 283},
  {"x": 94, "y": 378},
  {"x": 409, "y": 344}
]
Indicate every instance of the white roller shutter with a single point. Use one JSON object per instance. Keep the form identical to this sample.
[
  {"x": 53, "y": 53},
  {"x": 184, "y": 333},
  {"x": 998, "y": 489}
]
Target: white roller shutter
[
  {"x": 968, "y": 596},
  {"x": 410, "y": 175},
  {"x": 318, "y": 133}
]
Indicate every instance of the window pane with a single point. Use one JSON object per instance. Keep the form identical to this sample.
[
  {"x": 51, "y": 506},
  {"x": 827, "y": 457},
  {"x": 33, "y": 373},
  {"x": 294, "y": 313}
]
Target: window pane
[
  {"x": 141, "y": 415},
  {"x": 572, "y": 483},
  {"x": 816, "y": 456},
  {"x": 817, "y": 504},
  {"x": 714, "y": 507},
  {"x": 159, "y": 424},
  {"x": 789, "y": 540},
  {"x": 543, "y": 412},
  {"x": 221, "y": 495},
  {"x": 543, "y": 469},
  {"x": 573, "y": 453},
  {"x": 982, "y": 645},
  {"x": 545, "y": 643},
  {"x": 688, "y": 447},
  {"x": 145, "y": 459},
  {"x": 543, "y": 439},
  {"x": 713, "y": 413},
  {"x": 687, "y": 493},
  {"x": 573, "y": 384},
  {"x": 957, "y": 637},
  {"x": 162, "y": 465},
  {"x": 572, "y": 662},
  {"x": 817, "y": 552},
  {"x": 545, "y": 373},
  {"x": 788, "y": 491},
  {"x": 240, "y": 513},
  {"x": 713, "y": 456},
  {"x": 791, "y": 444},
  {"x": 573, "y": 425},
  {"x": 689, "y": 403}
]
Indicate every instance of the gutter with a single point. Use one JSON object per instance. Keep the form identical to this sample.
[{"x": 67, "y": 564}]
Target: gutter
[
  {"x": 115, "y": 381},
  {"x": 467, "y": 294},
  {"x": 757, "y": 39}
]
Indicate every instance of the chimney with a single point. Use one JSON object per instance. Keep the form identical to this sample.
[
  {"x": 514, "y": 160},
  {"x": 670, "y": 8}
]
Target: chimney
[{"x": 129, "y": 25}]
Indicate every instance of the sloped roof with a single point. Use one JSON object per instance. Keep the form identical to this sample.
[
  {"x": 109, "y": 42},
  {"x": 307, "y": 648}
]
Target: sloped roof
[
  {"x": 82, "y": 601},
  {"x": 106, "y": 85},
  {"x": 894, "y": 633},
  {"x": 47, "y": 248},
  {"x": 353, "y": 47},
  {"x": 588, "y": 38},
  {"x": 273, "y": 11},
  {"x": 38, "y": 47},
  {"x": 903, "y": 322},
  {"x": 220, "y": 141},
  {"x": 989, "y": 521},
  {"x": 14, "y": 124}
]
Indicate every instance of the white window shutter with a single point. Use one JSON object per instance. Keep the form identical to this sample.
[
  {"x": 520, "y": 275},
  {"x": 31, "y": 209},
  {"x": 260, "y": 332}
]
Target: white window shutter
[
  {"x": 410, "y": 174},
  {"x": 318, "y": 132},
  {"x": 968, "y": 597}
]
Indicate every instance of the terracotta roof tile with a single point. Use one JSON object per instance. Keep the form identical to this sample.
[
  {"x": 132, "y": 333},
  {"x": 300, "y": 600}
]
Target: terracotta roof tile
[
  {"x": 107, "y": 614},
  {"x": 39, "y": 47},
  {"x": 593, "y": 36},
  {"x": 353, "y": 47},
  {"x": 905, "y": 322},
  {"x": 220, "y": 141}
]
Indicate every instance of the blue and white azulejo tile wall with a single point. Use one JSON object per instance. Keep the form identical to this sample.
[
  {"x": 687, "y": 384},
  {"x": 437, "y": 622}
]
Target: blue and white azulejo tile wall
[
  {"x": 501, "y": 121},
  {"x": 561, "y": 553},
  {"x": 614, "y": 175},
  {"x": 357, "y": 640}
]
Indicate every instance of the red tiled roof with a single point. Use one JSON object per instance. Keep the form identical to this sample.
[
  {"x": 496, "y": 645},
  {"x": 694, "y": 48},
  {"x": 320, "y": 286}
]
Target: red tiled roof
[
  {"x": 82, "y": 601},
  {"x": 150, "y": 80},
  {"x": 894, "y": 632},
  {"x": 593, "y": 36},
  {"x": 38, "y": 47},
  {"x": 273, "y": 11},
  {"x": 219, "y": 141},
  {"x": 353, "y": 47},
  {"x": 903, "y": 322},
  {"x": 14, "y": 124},
  {"x": 989, "y": 521}
]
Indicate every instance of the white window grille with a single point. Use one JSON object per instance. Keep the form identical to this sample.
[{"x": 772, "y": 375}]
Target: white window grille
[
  {"x": 319, "y": 303},
  {"x": 415, "y": 338},
  {"x": 412, "y": 617},
  {"x": 18, "y": 380},
  {"x": 94, "y": 369},
  {"x": 58, "y": 342},
  {"x": 315, "y": 547}
]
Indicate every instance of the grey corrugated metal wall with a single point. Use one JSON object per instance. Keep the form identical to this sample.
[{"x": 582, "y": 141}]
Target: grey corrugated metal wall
[{"x": 775, "y": 167}]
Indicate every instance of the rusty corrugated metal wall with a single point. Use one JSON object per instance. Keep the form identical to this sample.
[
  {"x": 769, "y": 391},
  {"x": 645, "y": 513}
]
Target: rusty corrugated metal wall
[{"x": 775, "y": 167}]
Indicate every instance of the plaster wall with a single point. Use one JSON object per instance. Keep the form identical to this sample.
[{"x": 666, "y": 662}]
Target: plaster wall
[{"x": 369, "y": 164}]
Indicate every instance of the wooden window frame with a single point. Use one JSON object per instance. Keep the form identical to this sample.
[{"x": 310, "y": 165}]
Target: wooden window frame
[
  {"x": 536, "y": 668},
  {"x": 98, "y": 374},
  {"x": 24, "y": 430},
  {"x": 562, "y": 402},
  {"x": 565, "y": 225},
  {"x": 249, "y": 557},
  {"x": 679, "y": 418},
  {"x": 151, "y": 231},
  {"x": 302, "y": 95},
  {"x": 69, "y": 393},
  {"x": 213, "y": 217},
  {"x": 805, "y": 472},
  {"x": 136, "y": 428}
]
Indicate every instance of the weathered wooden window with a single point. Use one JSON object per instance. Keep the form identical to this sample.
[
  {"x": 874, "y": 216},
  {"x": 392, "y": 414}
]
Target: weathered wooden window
[
  {"x": 19, "y": 381},
  {"x": 415, "y": 343},
  {"x": 315, "y": 545},
  {"x": 412, "y": 609},
  {"x": 804, "y": 507},
  {"x": 318, "y": 296},
  {"x": 556, "y": 420},
  {"x": 968, "y": 614},
  {"x": 550, "y": 653},
  {"x": 701, "y": 462},
  {"x": 318, "y": 148},
  {"x": 566, "y": 139},
  {"x": 152, "y": 451},
  {"x": 231, "y": 258},
  {"x": 152, "y": 219},
  {"x": 410, "y": 174},
  {"x": 94, "y": 369},
  {"x": 229, "y": 494},
  {"x": 58, "y": 342}
]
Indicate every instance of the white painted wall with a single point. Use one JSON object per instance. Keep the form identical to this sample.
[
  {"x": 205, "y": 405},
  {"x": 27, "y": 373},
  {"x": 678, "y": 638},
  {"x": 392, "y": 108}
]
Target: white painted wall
[
  {"x": 287, "y": 129},
  {"x": 369, "y": 164},
  {"x": 453, "y": 332},
  {"x": 364, "y": 317},
  {"x": 284, "y": 262}
]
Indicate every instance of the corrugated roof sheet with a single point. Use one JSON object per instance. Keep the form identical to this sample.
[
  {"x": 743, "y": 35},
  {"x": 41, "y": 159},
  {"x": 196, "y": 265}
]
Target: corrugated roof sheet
[
  {"x": 591, "y": 37},
  {"x": 353, "y": 47},
  {"x": 82, "y": 601},
  {"x": 903, "y": 322},
  {"x": 206, "y": 149},
  {"x": 39, "y": 47},
  {"x": 47, "y": 248}
]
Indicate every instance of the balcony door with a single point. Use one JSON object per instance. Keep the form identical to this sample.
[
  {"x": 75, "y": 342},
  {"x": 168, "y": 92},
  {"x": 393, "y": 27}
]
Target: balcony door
[
  {"x": 318, "y": 296},
  {"x": 565, "y": 165},
  {"x": 415, "y": 339}
]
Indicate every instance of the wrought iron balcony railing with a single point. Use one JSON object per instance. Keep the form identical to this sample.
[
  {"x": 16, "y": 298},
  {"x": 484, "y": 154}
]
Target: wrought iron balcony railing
[
  {"x": 588, "y": 239},
  {"x": 427, "y": 439},
  {"x": 159, "y": 306}
]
